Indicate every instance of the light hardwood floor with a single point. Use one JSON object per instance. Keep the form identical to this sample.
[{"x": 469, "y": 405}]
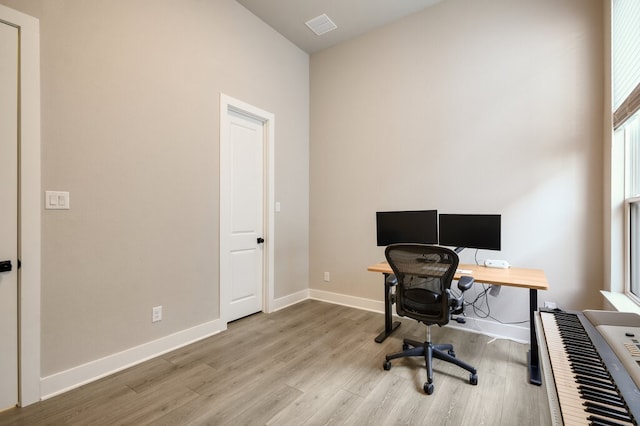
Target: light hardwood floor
[{"x": 313, "y": 363}]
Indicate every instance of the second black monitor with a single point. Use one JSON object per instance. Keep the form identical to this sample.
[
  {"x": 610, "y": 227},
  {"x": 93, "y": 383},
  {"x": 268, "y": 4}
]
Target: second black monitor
[{"x": 480, "y": 231}]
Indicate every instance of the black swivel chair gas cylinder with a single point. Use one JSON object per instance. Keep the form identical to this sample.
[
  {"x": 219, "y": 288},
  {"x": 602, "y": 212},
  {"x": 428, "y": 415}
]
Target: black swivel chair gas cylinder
[{"x": 424, "y": 274}]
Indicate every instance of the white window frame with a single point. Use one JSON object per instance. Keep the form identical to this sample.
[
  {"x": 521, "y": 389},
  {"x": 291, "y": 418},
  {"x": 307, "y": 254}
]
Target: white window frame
[
  {"x": 617, "y": 285},
  {"x": 628, "y": 249}
]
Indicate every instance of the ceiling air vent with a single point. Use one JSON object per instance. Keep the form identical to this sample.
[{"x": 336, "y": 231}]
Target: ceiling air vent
[{"x": 321, "y": 24}]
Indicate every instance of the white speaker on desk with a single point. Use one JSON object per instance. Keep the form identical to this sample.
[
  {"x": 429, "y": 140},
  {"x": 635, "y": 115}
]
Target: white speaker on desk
[{"x": 494, "y": 263}]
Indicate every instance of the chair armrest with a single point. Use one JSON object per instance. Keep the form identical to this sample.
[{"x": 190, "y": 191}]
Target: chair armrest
[
  {"x": 465, "y": 282},
  {"x": 392, "y": 280}
]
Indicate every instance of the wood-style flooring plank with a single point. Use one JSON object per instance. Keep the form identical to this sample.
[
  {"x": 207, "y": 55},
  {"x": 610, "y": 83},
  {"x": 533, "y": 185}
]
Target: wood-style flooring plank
[
  {"x": 521, "y": 397},
  {"x": 331, "y": 412}
]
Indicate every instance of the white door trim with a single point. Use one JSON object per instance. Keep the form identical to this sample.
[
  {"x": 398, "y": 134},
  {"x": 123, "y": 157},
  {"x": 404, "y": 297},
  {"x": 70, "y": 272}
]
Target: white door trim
[
  {"x": 227, "y": 103},
  {"x": 29, "y": 204}
]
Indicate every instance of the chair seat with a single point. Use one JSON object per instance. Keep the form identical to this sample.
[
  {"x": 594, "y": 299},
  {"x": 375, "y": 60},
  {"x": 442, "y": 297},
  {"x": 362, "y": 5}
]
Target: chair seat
[{"x": 422, "y": 301}]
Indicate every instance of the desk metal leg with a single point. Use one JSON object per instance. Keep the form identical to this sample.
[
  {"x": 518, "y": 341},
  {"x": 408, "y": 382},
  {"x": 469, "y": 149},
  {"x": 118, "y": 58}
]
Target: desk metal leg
[
  {"x": 534, "y": 361},
  {"x": 389, "y": 325}
]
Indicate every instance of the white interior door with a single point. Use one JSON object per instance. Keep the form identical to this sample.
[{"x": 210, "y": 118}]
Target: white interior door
[
  {"x": 242, "y": 215},
  {"x": 8, "y": 216}
]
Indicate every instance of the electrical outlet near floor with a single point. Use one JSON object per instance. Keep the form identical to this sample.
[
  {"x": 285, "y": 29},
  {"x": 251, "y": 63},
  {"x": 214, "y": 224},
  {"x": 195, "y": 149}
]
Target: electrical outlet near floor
[{"x": 156, "y": 314}]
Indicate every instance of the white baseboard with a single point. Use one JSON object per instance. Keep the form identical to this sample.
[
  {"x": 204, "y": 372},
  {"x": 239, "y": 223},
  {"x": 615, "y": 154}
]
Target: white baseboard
[
  {"x": 490, "y": 328},
  {"x": 494, "y": 329},
  {"x": 289, "y": 300},
  {"x": 77, "y": 376},
  {"x": 345, "y": 300}
]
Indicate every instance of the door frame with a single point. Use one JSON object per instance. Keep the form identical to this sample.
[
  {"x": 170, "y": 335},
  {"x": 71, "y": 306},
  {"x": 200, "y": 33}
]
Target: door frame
[
  {"x": 227, "y": 104},
  {"x": 29, "y": 204}
]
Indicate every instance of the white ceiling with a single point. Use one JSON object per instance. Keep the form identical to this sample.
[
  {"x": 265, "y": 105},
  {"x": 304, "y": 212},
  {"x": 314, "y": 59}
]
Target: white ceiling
[{"x": 353, "y": 17}]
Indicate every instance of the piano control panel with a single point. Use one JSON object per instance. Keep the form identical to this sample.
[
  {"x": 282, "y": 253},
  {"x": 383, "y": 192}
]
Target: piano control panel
[
  {"x": 634, "y": 349},
  {"x": 621, "y": 330}
]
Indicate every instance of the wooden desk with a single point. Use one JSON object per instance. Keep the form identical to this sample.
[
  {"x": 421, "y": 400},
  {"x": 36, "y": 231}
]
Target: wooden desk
[{"x": 533, "y": 279}]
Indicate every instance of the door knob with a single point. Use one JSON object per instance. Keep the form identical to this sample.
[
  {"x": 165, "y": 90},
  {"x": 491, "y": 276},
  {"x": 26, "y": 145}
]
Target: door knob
[
  {"x": 5, "y": 266},
  {"x": 260, "y": 240}
]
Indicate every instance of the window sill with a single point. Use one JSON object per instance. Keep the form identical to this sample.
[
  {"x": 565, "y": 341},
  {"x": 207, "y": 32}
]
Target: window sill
[{"x": 621, "y": 302}]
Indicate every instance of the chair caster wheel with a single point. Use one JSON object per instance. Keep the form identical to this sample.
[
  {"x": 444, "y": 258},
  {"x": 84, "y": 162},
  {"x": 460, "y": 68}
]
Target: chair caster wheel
[
  {"x": 386, "y": 365},
  {"x": 473, "y": 379},
  {"x": 405, "y": 346},
  {"x": 452, "y": 353},
  {"x": 428, "y": 388}
]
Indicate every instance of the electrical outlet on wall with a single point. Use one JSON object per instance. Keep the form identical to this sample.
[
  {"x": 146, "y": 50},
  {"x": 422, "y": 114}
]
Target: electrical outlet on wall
[{"x": 327, "y": 276}]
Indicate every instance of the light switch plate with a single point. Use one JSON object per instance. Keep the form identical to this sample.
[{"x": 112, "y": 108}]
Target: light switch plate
[{"x": 56, "y": 200}]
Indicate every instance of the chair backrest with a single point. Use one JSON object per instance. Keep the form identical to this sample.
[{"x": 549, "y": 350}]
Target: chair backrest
[{"x": 424, "y": 274}]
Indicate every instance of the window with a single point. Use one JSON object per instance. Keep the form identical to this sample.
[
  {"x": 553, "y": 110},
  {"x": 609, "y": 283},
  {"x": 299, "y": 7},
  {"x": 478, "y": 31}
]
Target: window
[
  {"x": 625, "y": 36},
  {"x": 632, "y": 148},
  {"x": 634, "y": 247}
]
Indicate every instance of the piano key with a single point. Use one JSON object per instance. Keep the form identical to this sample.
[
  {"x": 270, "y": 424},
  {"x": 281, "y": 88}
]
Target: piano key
[
  {"x": 602, "y": 397},
  {"x": 599, "y": 421},
  {"x": 607, "y": 412}
]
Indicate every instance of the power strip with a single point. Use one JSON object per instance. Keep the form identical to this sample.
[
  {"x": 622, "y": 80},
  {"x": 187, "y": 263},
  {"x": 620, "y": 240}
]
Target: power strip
[{"x": 493, "y": 263}]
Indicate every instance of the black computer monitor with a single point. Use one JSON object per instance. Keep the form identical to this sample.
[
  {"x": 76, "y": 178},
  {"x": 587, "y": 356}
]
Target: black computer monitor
[
  {"x": 480, "y": 231},
  {"x": 416, "y": 226}
]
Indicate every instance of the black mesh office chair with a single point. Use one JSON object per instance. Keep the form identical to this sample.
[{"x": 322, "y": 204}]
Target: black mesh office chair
[{"x": 424, "y": 274}]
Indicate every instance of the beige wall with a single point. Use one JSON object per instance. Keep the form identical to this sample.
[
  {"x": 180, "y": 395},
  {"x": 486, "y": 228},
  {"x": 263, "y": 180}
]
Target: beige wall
[
  {"x": 488, "y": 106},
  {"x": 130, "y": 127},
  {"x": 491, "y": 106}
]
